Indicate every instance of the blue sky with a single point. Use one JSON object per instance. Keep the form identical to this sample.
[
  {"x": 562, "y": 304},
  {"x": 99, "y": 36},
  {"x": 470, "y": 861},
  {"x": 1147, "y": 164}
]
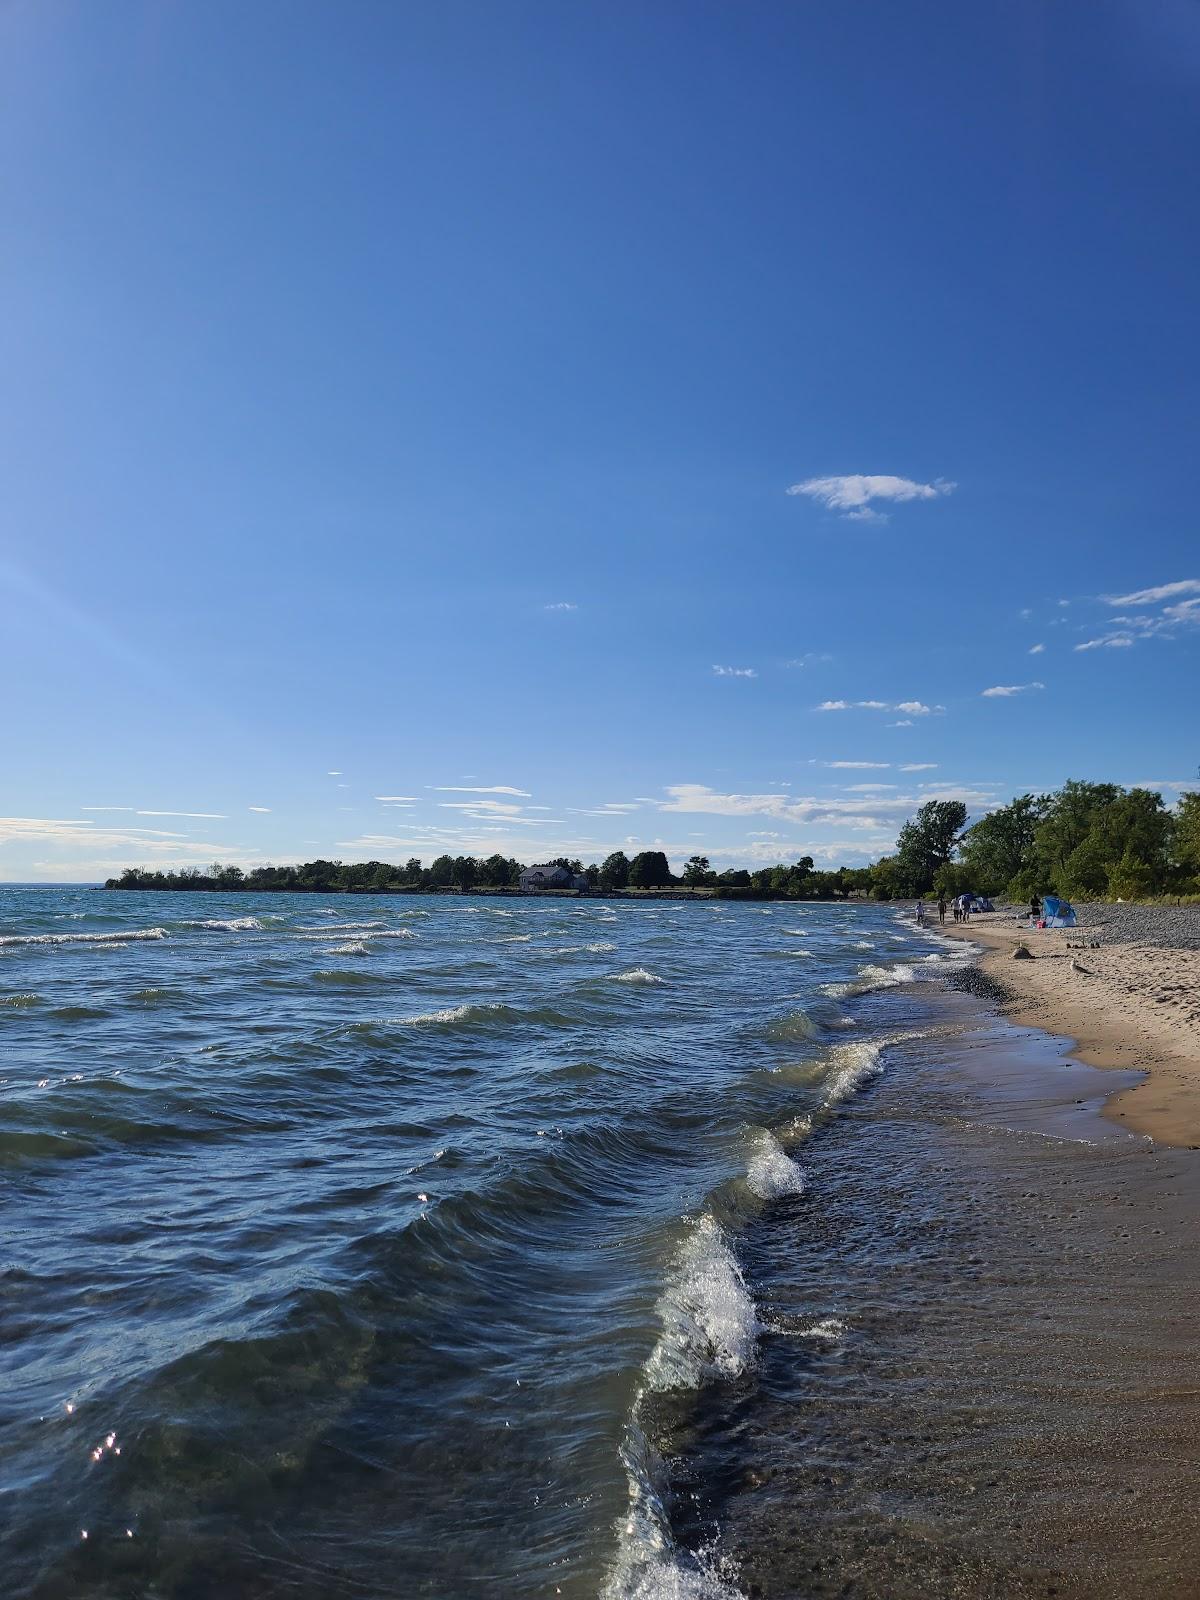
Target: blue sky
[{"x": 592, "y": 426}]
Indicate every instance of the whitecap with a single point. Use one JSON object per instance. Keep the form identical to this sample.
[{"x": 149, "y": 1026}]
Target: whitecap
[
  {"x": 353, "y": 947},
  {"x": 635, "y": 975},
  {"x": 228, "y": 925},
  {"x": 123, "y": 937},
  {"x": 709, "y": 1326},
  {"x": 771, "y": 1172},
  {"x": 827, "y": 1328}
]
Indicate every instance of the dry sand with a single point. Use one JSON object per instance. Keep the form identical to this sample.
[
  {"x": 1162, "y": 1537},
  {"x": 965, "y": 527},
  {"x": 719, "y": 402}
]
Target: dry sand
[{"x": 1135, "y": 1006}]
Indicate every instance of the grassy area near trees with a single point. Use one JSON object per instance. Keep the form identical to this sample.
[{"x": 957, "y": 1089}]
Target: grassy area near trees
[{"x": 1085, "y": 841}]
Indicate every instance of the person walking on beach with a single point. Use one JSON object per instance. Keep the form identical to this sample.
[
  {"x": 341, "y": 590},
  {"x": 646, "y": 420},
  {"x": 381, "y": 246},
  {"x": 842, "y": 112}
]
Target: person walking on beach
[
  {"x": 941, "y": 908},
  {"x": 920, "y": 913}
]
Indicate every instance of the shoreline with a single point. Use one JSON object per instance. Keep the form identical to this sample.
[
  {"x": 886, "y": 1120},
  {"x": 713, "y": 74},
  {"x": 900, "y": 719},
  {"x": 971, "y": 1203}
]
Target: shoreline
[{"x": 1136, "y": 1008}]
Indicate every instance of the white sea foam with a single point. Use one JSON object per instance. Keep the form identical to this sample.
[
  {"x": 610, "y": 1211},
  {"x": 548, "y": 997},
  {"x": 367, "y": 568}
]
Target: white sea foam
[
  {"x": 871, "y": 977},
  {"x": 709, "y": 1326},
  {"x": 126, "y": 936},
  {"x": 796, "y": 933},
  {"x": 446, "y": 1014},
  {"x": 513, "y": 938},
  {"x": 648, "y": 1565},
  {"x": 827, "y": 1328},
  {"x": 393, "y": 933},
  {"x": 353, "y": 947},
  {"x": 635, "y": 975},
  {"x": 850, "y": 1067},
  {"x": 863, "y": 944},
  {"x": 772, "y": 1173},
  {"x": 229, "y": 924}
]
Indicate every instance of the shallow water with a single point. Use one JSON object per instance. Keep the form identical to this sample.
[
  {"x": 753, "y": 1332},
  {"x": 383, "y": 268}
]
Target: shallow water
[{"x": 420, "y": 1246}]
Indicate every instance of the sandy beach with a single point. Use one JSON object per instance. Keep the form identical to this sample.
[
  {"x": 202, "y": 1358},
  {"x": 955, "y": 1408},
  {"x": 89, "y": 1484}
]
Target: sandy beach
[{"x": 1137, "y": 1005}]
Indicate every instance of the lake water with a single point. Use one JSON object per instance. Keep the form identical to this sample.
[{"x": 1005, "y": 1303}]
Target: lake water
[{"x": 443, "y": 1247}]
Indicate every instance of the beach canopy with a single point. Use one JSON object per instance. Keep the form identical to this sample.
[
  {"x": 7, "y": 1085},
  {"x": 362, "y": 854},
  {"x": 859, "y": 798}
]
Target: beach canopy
[{"x": 1058, "y": 913}]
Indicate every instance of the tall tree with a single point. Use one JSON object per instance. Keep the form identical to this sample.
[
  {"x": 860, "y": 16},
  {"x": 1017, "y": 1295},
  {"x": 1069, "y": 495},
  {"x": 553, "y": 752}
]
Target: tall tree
[
  {"x": 649, "y": 870},
  {"x": 614, "y": 871},
  {"x": 926, "y": 842}
]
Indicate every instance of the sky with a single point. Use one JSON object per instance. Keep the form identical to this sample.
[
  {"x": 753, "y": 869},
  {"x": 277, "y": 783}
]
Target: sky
[{"x": 509, "y": 426}]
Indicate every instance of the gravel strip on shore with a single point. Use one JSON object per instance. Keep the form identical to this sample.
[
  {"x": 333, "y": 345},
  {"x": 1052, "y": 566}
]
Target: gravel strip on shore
[{"x": 974, "y": 980}]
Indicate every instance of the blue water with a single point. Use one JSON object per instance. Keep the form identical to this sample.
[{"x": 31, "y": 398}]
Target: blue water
[{"x": 377, "y": 1246}]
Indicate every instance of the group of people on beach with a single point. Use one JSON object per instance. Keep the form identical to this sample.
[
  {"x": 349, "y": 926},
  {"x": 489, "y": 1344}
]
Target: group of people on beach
[{"x": 961, "y": 908}]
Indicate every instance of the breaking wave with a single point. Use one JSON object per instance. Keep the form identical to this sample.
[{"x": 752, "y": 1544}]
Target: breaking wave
[
  {"x": 709, "y": 1326},
  {"x": 870, "y": 978},
  {"x": 772, "y": 1173},
  {"x": 126, "y": 936},
  {"x": 635, "y": 975}
]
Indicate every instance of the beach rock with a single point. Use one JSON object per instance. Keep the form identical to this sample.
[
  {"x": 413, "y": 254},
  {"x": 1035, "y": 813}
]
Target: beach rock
[{"x": 1022, "y": 953}]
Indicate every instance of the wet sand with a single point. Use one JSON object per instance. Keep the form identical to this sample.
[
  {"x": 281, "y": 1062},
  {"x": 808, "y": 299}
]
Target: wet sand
[
  {"x": 1134, "y": 1007},
  {"x": 977, "y": 1379}
]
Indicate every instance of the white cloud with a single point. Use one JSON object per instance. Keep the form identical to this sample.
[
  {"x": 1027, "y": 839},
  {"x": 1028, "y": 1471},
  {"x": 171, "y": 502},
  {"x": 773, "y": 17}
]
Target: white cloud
[
  {"x": 807, "y": 658},
  {"x": 918, "y": 766},
  {"x": 491, "y": 788},
  {"x": 265, "y": 810},
  {"x": 1003, "y": 690},
  {"x": 858, "y": 765},
  {"x": 207, "y": 816},
  {"x": 396, "y": 799},
  {"x": 735, "y": 672},
  {"x": 868, "y": 788},
  {"x": 905, "y": 722},
  {"x": 1109, "y": 641},
  {"x": 1025, "y": 613},
  {"x": 334, "y": 774},
  {"x": 1151, "y": 597},
  {"x": 1064, "y": 602},
  {"x": 561, "y": 605},
  {"x": 851, "y": 494},
  {"x": 1036, "y": 649},
  {"x": 913, "y": 708}
]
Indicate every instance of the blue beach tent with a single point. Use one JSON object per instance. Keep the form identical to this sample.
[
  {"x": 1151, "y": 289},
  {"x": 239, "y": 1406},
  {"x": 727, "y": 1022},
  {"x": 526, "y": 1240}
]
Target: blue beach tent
[{"x": 1058, "y": 913}]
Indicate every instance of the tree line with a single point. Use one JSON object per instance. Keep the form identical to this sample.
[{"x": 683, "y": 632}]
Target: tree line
[
  {"x": 1085, "y": 841},
  {"x": 649, "y": 869}
]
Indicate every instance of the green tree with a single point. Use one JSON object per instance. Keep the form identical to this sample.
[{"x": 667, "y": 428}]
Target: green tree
[
  {"x": 696, "y": 872},
  {"x": 998, "y": 847},
  {"x": 614, "y": 871},
  {"x": 649, "y": 870},
  {"x": 926, "y": 842}
]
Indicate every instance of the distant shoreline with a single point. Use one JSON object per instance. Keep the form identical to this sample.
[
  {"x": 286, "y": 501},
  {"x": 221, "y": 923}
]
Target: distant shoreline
[{"x": 678, "y": 892}]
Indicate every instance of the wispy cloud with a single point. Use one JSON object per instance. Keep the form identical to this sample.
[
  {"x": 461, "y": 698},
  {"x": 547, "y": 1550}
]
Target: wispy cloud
[
  {"x": 851, "y": 494},
  {"x": 1001, "y": 691},
  {"x": 857, "y": 765},
  {"x": 561, "y": 605},
  {"x": 1107, "y": 641},
  {"x": 918, "y": 766},
  {"x": 396, "y": 799},
  {"x": 488, "y": 788},
  {"x": 1036, "y": 649},
  {"x": 904, "y": 722},
  {"x": 807, "y": 658},
  {"x": 264, "y": 810},
  {"x": 1156, "y": 595},
  {"x": 207, "y": 816},
  {"x": 334, "y": 774},
  {"x": 735, "y": 672}
]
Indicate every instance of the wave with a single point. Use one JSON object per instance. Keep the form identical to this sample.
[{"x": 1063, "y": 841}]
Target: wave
[
  {"x": 863, "y": 944},
  {"x": 635, "y": 975},
  {"x": 870, "y": 978},
  {"x": 393, "y": 933},
  {"x": 21, "y": 1002},
  {"x": 352, "y": 947},
  {"x": 709, "y": 1325},
  {"x": 850, "y": 1066},
  {"x": 796, "y": 933},
  {"x": 228, "y": 924},
  {"x": 772, "y": 1173},
  {"x": 476, "y": 1015},
  {"x": 796, "y": 1025},
  {"x": 125, "y": 936},
  {"x": 649, "y": 1566}
]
